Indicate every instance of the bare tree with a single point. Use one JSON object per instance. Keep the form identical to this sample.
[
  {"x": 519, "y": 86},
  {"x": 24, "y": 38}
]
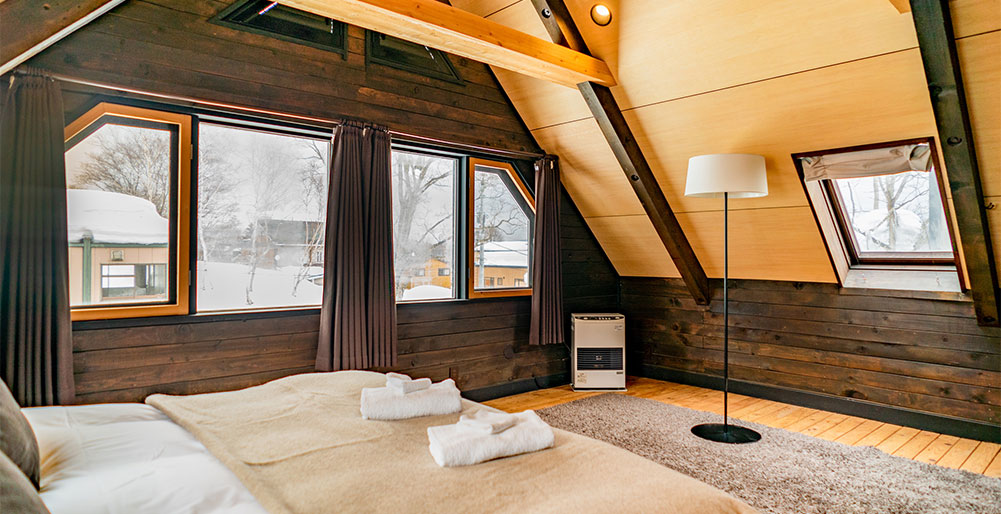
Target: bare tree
[
  {"x": 132, "y": 161},
  {"x": 421, "y": 228},
  {"x": 498, "y": 217},
  {"x": 268, "y": 172},
  {"x": 313, "y": 175},
  {"x": 216, "y": 206}
]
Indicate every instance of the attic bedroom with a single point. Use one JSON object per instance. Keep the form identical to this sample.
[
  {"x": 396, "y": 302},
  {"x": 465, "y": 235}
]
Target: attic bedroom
[{"x": 688, "y": 256}]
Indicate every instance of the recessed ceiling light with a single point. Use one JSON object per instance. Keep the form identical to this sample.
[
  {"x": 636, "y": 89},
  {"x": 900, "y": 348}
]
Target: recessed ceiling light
[{"x": 601, "y": 14}]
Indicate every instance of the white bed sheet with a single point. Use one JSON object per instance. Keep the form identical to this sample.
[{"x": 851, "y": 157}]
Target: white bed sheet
[{"x": 129, "y": 458}]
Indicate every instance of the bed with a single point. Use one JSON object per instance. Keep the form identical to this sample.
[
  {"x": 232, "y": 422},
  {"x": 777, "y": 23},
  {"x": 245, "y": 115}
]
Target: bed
[{"x": 298, "y": 444}]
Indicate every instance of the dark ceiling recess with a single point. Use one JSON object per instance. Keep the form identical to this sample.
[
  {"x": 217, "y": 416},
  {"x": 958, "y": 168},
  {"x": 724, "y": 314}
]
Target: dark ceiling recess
[
  {"x": 282, "y": 22},
  {"x": 412, "y": 57}
]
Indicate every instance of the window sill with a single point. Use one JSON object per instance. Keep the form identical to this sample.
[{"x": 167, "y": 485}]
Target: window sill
[
  {"x": 209, "y": 317},
  {"x": 944, "y": 280}
]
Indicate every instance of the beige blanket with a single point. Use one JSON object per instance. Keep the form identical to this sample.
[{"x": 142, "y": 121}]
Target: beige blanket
[{"x": 299, "y": 445}]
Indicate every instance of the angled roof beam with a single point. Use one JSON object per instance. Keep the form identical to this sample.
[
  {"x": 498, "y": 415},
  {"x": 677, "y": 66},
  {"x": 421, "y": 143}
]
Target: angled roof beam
[
  {"x": 945, "y": 85},
  {"x": 29, "y": 27},
  {"x": 627, "y": 151},
  {"x": 441, "y": 26}
]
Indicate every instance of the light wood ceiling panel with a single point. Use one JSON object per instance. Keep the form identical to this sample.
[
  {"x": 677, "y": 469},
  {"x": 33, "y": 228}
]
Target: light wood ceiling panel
[
  {"x": 632, "y": 244},
  {"x": 661, "y": 50},
  {"x": 868, "y": 101},
  {"x": 589, "y": 170},
  {"x": 765, "y": 244},
  {"x": 975, "y": 16},
  {"x": 979, "y": 59},
  {"x": 482, "y": 7}
]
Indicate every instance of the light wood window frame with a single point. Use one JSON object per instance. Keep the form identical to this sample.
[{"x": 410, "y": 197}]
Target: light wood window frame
[
  {"x": 178, "y": 295},
  {"x": 472, "y": 164}
]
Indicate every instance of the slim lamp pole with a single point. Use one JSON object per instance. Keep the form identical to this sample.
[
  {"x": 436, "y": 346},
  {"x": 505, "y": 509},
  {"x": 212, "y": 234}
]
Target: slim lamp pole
[
  {"x": 708, "y": 177},
  {"x": 726, "y": 308}
]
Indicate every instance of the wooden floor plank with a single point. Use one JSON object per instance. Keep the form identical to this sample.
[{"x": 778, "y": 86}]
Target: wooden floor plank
[
  {"x": 981, "y": 457},
  {"x": 861, "y": 430},
  {"x": 917, "y": 443},
  {"x": 957, "y": 455},
  {"x": 879, "y": 435},
  {"x": 994, "y": 468},
  {"x": 911, "y": 443}
]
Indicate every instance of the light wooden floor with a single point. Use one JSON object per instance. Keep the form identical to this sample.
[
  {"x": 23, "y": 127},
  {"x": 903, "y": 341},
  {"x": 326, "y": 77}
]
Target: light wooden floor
[{"x": 943, "y": 450}]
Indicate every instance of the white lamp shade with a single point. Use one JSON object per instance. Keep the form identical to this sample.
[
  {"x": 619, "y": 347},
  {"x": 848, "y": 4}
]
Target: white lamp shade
[{"x": 740, "y": 175}]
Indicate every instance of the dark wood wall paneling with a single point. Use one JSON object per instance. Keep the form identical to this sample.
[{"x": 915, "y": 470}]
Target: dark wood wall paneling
[
  {"x": 479, "y": 343},
  {"x": 925, "y": 354},
  {"x": 169, "y": 47}
]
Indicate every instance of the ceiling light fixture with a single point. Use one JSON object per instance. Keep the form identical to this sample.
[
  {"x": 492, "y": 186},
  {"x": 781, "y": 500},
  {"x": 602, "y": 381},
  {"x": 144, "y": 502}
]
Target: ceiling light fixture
[{"x": 601, "y": 14}]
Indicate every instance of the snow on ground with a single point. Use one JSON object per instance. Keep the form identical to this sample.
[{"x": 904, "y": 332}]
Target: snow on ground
[
  {"x": 114, "y": 218},
  {"x": 223, "y": 286},
  {"x": 427, "y": 292}
]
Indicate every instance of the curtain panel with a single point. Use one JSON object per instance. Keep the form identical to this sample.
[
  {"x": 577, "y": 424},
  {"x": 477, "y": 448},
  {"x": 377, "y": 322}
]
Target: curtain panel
[
  {"x": 867, "y": 163},
  {"x": 358, "y": 316},
  {"x": 36, "y": 346},
  {"x": 547, "y": 279}
]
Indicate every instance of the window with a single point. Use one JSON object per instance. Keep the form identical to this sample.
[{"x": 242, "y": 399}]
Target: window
[
  {"x": 126, "y": 175},
  {"x": 165, "y": 223},
  {"x": 501, "y": 216},
  {"x": 424, "y": 224},
  {"x": 284, "y": 22},
  {"x": 893, "y": 218},
  {"x": 133, "y": 281},
  {"x": 262, "y": 203},
  {"x": 404, "y": 55},
  {"x": 881, "y": 209}
]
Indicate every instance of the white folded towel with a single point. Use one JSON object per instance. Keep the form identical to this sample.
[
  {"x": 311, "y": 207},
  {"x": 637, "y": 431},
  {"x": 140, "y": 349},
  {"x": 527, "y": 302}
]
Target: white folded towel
[
  {"x": 454, "y": 445},
  {"x": 388, "y": 403},
  {"x": 405, "y": 384},
  {"x": 487, "y": 422}
]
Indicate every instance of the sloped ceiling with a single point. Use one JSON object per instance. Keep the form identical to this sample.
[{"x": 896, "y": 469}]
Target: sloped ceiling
[{"x": 766, "y": 77}]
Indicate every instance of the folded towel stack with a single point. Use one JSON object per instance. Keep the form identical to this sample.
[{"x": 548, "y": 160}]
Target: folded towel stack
[
  {"x": 405, "y": 384},
  {"x": 484, "y": 436},
  {"x": 388, "y": 403}
]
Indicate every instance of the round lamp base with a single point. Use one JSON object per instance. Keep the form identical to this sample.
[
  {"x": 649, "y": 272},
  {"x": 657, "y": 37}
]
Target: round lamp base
[{"x": 726, "y": 433}]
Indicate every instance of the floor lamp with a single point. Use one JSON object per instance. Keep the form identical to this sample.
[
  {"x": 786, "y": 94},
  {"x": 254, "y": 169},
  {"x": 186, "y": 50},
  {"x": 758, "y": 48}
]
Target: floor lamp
[{"x": 727, "y": 176}]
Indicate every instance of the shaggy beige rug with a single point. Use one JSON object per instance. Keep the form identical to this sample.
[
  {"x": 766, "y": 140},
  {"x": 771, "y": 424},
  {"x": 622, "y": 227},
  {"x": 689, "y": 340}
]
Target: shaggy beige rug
[{"x": 785, "y": 472}]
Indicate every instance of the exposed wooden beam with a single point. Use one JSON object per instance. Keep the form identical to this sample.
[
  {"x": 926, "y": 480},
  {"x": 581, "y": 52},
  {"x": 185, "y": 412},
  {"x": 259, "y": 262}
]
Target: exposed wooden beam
[
  {"x": 29, "y": 27},
  {"x": 933, "y": 23},
  {"x": 628, "y": 153},
  {"x": 441, "y": 26},
  {"x": 902, "y": 6}
]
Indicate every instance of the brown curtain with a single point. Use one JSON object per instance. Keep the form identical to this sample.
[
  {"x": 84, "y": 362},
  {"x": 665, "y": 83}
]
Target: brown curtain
[
  {"x": 35, "y": 330},
  {"x": 358, "y": 318},
  {"x": 547, "y": 279}
]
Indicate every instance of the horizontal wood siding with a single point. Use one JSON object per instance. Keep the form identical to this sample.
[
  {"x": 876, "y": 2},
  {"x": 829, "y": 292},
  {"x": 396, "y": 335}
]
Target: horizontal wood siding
[
  {"x": 926, "y": 354},
  {"x": 169, "y": 47}
]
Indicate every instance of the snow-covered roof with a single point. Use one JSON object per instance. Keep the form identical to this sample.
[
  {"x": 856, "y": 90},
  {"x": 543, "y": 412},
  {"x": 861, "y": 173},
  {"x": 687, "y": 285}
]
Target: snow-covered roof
[
  {"x": 114, "y": 218},
  {"x": 506, "y": 254},
  {"x": 426, "y": 292}
]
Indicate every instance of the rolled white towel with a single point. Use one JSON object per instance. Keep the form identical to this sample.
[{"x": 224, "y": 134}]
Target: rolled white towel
[
  {"x": 405, "y": 384},
  {"x": 452, "y": 445},
  {"x": 387, "y": 403},
  {"x": 487, "y": 422}
]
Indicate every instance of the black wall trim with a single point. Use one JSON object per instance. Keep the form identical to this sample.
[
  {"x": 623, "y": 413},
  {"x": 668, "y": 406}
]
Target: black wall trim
[
  {"x": 898, "y": 416},
  {"x": 517, "y": 387}
]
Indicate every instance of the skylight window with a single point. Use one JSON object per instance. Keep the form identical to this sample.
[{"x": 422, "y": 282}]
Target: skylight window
[
  {"x": 280, "y": 21},
  {"x": 412, "y": 57},
  {"x": 881, "y": 206}
]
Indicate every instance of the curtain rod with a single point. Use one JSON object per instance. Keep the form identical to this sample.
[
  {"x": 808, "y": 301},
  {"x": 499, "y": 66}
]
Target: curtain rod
[{"x": 405, "y": 136}]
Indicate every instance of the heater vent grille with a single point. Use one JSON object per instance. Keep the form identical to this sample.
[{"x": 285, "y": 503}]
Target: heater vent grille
[{"x": 599, "y": 358}]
